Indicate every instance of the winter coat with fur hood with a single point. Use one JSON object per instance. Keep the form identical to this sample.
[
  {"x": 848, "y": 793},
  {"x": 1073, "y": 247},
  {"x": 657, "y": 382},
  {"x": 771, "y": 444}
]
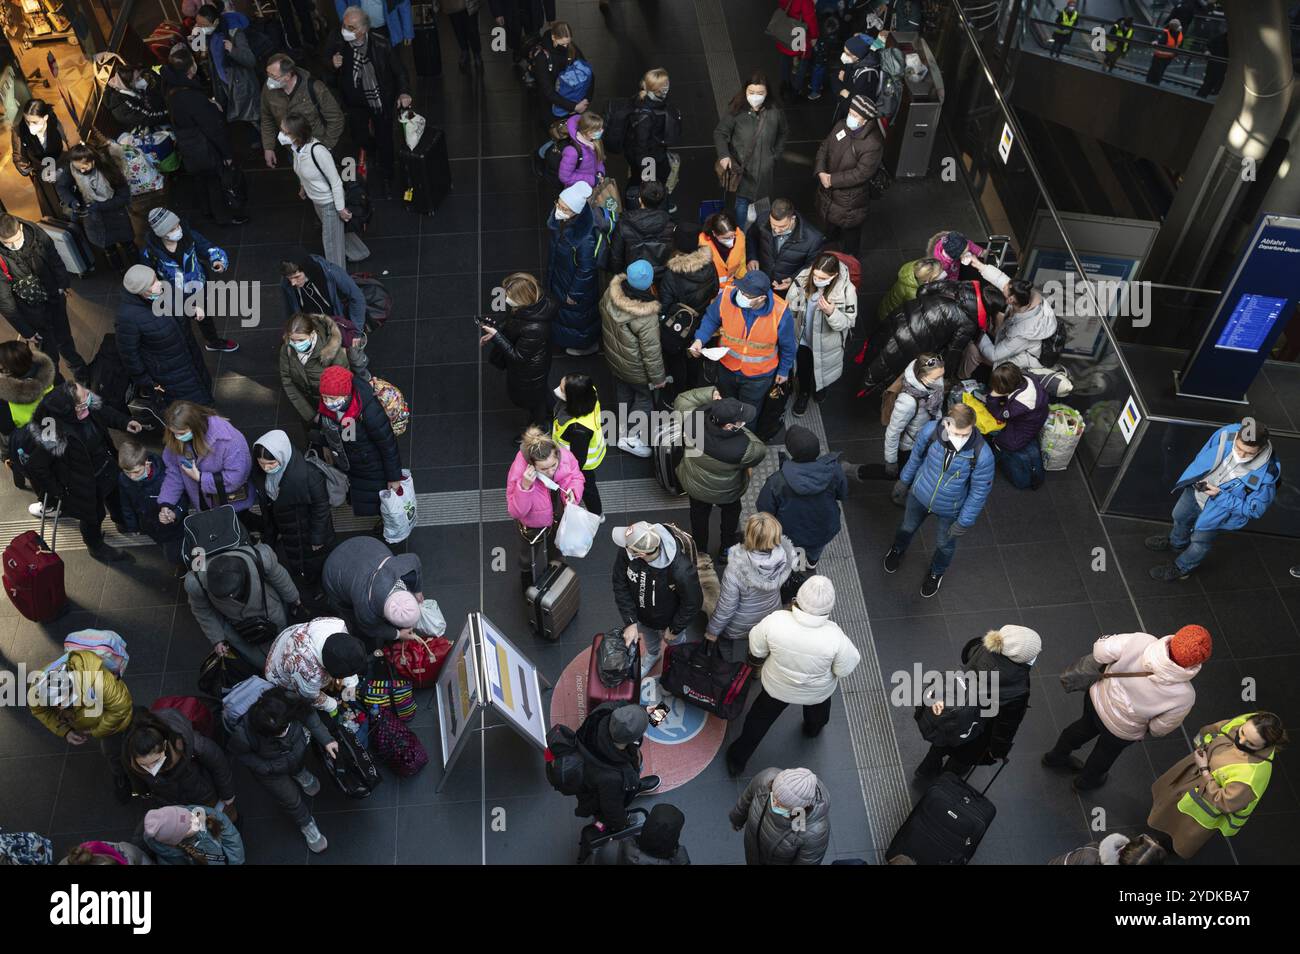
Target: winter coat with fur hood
[
  {"x": 19, "y": 396},
  {"x": 630, "y": 332},
  {"x": 772, "y": 839},
  {"x": 301, "y": 379},
  {"x": 72, "y": 462},
  {"x": 689, "y": 279},
  {"x": 830, "y": 333},
  {"x": 197, "y": 774},
  {"x": 1132, "y": 707},
  {"x": 751, "y": 590}
]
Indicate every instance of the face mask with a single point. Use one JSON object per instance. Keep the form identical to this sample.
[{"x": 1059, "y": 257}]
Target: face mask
[
  {"x": 335, "y": 403},
  {"x": 303, "y": 347},
  {"x": 155, "y": 767},
  {"x": 83, "y": 411},
  {"x": 283, "y": 138},
  {"x": 15, "y": 243},
  {"x": 597, "y": 137},
  {"x": 349, "y": 35},
  {"x": 756, "y": 101},
  {"x": 511, "y": 304},
  {"x": 847, "y": 59},
  {"x": 780, "y": 810},
  {"x": 853, "y": 122},
  {"x": 274, "y": 84},
  {"x": 144, "y": 475},
  {"x": 745, "y": 302},
  {"x": 273, "y": 470},
  {"x": 1237, "y": 458},
  {"x": 36, "y": 125},
  {"x": 822, "y": 282},
  {"x": 186, "y": 437},
  {"x": 728, "y": 242},
  {"x": 141, "y": 83},
  {"x": 562, "y": 215},
  {"x": 207, "y": 30},
  {"x": 559, "y": 393},
  {"x": 958, "y": 442},
  {"x": 175, "y": 234},
  {"x": 153, "y": 296}
]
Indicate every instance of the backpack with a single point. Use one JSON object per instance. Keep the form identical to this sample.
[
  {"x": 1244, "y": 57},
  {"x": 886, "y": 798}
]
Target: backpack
[
  {"x": 854, "y": 267},
  {"x": 193, "y": 708},
  {"x": 1049, "y": 352},
  {"x": 336, "y": 482},
  {"x": 889, "y": 398},
  {"x": 566, "y": 764},
  {"x": 379, "y": 301},
  {"x": 573, "y": 83},
  {"x": 617, "y": 115},
  {"x": 104, "y": 643},
  {"x": 395, "y": 406},
  {"x": 107, "y": 377},
  {"x": 890, "y": 95},
  {"x": 613, "y": 660},
  {"x": 677, "y": 327}
]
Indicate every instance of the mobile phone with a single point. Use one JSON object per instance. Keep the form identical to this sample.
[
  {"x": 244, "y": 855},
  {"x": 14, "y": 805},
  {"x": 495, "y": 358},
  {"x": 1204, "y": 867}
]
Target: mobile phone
[
  {"x": 485, "y": 322},
  {"x": 1200, "y": 485},
  {"x": 659, "y": 713}
]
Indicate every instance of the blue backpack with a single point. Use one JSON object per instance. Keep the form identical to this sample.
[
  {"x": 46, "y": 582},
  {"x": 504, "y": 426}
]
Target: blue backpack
[{"x": 573, "y": 83}]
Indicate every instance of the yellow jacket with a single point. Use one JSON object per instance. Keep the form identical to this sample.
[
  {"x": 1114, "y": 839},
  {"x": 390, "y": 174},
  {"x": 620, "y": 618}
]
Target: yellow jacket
[{"x": 117, "y": 707}]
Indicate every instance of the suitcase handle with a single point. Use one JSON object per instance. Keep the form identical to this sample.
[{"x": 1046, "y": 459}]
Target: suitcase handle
[
  {"x": 1002, "y": 763},
  {"x": 54, "y": 536}
]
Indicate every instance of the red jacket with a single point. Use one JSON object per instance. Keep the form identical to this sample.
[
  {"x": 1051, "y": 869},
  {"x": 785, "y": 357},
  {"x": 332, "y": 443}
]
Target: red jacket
[{"x": 805, "y": 10}]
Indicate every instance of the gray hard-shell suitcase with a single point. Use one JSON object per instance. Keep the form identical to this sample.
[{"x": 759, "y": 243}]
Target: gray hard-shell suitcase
[{"x": 553, "y": 597}]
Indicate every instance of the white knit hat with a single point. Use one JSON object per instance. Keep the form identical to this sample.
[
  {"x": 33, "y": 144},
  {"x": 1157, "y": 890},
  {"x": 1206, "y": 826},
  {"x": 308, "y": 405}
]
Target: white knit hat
[
  {"x": 1018, "y": 643},
  {"x": 816, "y": 596},
  {"x": 795, "y": 787},
  {"x": 576, "y": 195}
]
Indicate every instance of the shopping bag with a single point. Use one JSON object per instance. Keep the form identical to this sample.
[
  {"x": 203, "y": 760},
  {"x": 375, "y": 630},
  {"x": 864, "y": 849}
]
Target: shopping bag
[
  {"x": 397, "y": 507},
  {"x": 432, "y": 622},
  {"x": 577, "y": 530}
]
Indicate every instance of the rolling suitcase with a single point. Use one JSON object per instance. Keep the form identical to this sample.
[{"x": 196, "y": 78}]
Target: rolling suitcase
[
  {"x": 666, "y": 441},
  {"x": 552, "y": 599},
  {"x": 629, "y": 690},
  {"x": 947, "y": 824},
  {"x": 71, "y": 244},
  {"x": 33, "y": 574},
  {"x": 427, "y": 171}
]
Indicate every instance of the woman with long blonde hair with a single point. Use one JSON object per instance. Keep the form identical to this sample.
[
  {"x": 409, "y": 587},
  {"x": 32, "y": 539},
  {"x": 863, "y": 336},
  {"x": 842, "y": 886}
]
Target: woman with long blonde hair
[{"x": 653, "y": 126}]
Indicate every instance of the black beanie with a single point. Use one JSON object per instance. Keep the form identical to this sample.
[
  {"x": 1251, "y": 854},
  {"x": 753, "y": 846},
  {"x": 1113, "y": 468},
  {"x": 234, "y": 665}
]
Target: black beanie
[
  {"x": 227, "y": 576},
  {"x": 343, "y": 655},
  {"x": 686, "y": 237},
  {"x": 802, "y": 444}
]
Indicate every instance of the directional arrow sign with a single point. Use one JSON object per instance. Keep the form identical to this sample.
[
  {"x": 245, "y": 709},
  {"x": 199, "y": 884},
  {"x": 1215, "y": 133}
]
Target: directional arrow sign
[{"x": 523, "y": 683}]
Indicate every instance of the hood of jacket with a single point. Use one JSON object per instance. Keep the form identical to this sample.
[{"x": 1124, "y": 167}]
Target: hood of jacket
[
  {"x": 58, "y": 409},
  {"x": 761, "y": 569},
  {"x": 667, "y": 548},
  {"x": 242, "y": 697},
  {"x": 1155, "y": 659},
  {"x": 918, "y": 387},
  {"x": 1024, "y": 400},
  {"x": 627, "y": 308},
  {"x": 1034, "y": 321},
  {"x": 329, "y": 339},
  {"x": 691, "y": 262},
  {"x": 231, "y": 20},
  {"x": 814, "y": 476},
  {"x": 30, "y": 386}
]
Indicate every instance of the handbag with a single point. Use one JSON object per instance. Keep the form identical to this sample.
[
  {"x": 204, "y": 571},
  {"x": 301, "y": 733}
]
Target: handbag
[
  {"x": 699, "y": 676},
  {"x": 418, "y": 660},
  {"x": 336, "y": 482},
  {"x": 784, "y": 28},
  {"x": 729, "y": 178},
  {"x": 1085, "y": 671},
  {"x": 221, "y": 672},
  {"x": 384, "y": 690},
  {"x": 396, "y": 744},
  {"x": 607, "y": 197}
]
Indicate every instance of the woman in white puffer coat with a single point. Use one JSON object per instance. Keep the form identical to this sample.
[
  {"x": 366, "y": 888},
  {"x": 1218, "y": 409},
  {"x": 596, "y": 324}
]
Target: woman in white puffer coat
[{"x": 824, "y": 304}]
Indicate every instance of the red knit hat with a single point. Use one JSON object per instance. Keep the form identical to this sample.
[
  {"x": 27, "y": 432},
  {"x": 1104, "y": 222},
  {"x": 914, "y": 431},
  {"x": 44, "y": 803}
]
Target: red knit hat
[
  {"x": 336, "y": 381},
  {"x": 1191, "y": 646}
]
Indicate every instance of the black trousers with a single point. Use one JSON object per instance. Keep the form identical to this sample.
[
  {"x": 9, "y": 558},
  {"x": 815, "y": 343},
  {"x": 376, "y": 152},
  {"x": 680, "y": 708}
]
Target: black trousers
[
  {"x": 466, "y": 29},
  {"x": 1078, "y": 734},
  {"x": 700, "y": 514},
  {"x": 805, "y": 379},
  {"x": 765, "y": 711},
  {"x": 50, "y": 321},
  {"x": 92, "y": 531},
  {"x": 1157, "y": 70},
  {"x": 373, "y": 132},
  {"x": 591, "y": 493}
]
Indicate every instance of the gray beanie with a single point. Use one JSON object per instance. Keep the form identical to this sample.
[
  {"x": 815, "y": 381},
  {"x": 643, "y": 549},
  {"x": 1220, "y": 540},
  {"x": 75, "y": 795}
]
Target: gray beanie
[
  {"x": 816, "y": 596},
  {"x": 162, "y": 221},
  {"x": 795, "y": 787},
  {"x": 138, "y": 279},
  {"x": 628, "y": 723}
]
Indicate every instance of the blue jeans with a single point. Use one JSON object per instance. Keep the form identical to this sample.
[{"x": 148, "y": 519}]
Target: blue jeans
[
  {"x": 742, "y": 211},
  {"x": 1195, "y": 544},
  {"x": 733, "y": 384},
  {"x": 1024, "y": 467},
  {"x": 913, "y": 517}
]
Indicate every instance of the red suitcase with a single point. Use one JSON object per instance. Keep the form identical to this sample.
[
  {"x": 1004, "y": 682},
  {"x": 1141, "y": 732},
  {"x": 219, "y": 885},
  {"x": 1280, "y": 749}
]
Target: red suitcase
[
  {"x": 33, "y": 574},
  {"x": 629, "y": 690}
]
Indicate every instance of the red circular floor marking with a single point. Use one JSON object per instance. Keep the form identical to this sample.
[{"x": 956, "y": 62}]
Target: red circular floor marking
[{"x": 699, "y": 734}]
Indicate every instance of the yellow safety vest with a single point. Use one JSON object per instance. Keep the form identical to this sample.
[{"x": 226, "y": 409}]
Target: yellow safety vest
[
  {"x": 1118, "y": 32},
  {"x": 1066, "y": 19},
  {"x": 1196, "y": 807},
  {"x": 22, "y": 413},
  {"x": 595, "y": 449}
]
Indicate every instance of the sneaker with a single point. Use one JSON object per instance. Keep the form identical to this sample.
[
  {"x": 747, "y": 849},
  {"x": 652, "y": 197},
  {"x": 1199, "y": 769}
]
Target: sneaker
[
  {"x": 582, "y": 352},
  {"x": 1167, "y": 573},
  {"x": 316, "y": 842},
  {"x": 648, "y": 784},
  {"x": 225, "y": 345},
  {"x": 1295, "y": 571},
  {"x": 814, "y": 96},
  {"x": 309, "y": 783},
  {"x": 801, "y": 405},
  {"x": 37, "y": 509},
  {"x": 1158, "y": 543},
  {"x": 634, "y": 447},
  {"x": 893, "y": 559},
  {"x": 106, "y": 554},
  {"x": 930, "y": 585}
]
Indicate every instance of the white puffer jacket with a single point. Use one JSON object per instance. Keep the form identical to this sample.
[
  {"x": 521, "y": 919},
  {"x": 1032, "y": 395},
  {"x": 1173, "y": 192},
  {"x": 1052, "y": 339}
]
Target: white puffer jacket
[
  {"x": 806, "y": 656},
  {"x": 1130, "y": 707}
]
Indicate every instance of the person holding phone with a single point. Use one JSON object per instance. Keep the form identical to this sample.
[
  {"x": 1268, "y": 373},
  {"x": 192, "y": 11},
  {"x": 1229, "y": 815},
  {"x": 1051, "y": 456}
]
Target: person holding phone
[
  {"x": 519, "y": 343},
  {"x": 209, "y": 461},
  {"x": 544, "y": 476}
]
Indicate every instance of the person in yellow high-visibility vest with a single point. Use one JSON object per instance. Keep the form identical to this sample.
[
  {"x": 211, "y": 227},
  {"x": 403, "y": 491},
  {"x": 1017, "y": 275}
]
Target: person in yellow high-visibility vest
[
  {"x": 577, "y": 428},
  {"x": 1218, "y": 786},
  {"x": 1164, "y": 49},
  {"x": 1117, "y": 41},
  {"x": 1066, "y": 18}
]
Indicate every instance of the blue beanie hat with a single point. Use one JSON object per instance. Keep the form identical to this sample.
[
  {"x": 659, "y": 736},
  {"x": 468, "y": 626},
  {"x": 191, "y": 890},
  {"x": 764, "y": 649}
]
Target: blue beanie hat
[
  {"x": 755, "y": 284},
  {"x": 640, "y": 274},
  {"x": 859, "y": 45}
]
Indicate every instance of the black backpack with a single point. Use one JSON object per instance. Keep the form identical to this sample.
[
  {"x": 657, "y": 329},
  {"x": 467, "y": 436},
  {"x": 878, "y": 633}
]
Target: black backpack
[
  {"x": 566, "y": 763},
  {"x": 613, "y": 660},
  {"x": 1050, "y": 351},
  {"x": 107, "y": 377},
  {"x": 616, "y": 116}
]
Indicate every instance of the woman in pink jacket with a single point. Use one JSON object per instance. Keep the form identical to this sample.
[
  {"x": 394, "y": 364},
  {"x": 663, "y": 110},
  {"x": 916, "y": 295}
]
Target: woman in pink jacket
[
  {"x": 1147, "y": 687},
  {"x": 948, "y": 248},
  {"x": 542, "y": 476},
  {"x": 582, "y": 158}
]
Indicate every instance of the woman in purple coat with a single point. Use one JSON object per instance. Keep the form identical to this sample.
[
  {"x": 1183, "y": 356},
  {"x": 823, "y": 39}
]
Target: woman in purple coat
[{"x": 209, "y": 461}]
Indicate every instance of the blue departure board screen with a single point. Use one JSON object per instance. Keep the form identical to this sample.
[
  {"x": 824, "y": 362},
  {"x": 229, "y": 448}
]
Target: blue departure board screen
[{"x": 1251, "y": 323}]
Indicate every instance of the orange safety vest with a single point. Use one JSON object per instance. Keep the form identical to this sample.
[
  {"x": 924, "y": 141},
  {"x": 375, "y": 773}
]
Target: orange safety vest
[
  {"x": 734, "y": 265},
  {"x": 753, "y": 353},
  {"x": 1165, "y": 50}
]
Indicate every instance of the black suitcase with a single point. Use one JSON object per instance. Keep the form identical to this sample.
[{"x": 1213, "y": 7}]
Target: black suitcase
[
  {"x": 428, "y": 57},
  {"x": 427, "y": 171},
  {"x": 947, "y": 824},
  {"x": 666, "y": 439}
]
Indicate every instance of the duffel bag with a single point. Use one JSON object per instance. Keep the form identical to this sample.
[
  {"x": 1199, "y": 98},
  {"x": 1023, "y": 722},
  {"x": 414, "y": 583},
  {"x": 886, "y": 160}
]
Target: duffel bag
[{"x": 698, "y": 675}]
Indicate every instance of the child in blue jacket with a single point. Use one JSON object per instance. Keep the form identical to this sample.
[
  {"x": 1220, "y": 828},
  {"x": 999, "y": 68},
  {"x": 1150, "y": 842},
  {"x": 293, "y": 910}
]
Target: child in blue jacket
[{"x": 139, "y": 482}]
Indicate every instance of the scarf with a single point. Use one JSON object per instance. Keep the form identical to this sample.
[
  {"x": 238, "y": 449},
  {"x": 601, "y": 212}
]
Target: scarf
[
  {"x": 277, "y": 442},
  {"x": 363, "y": 76},
  {"x": 93, "y": 185},
  {"x": 352, "y": 410}
]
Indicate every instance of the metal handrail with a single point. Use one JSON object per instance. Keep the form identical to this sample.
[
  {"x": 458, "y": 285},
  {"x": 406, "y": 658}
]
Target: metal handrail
[{"x": 1180, "y": 51}]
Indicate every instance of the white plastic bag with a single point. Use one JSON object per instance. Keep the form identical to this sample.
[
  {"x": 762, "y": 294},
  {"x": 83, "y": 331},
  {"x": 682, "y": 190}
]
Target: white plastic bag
[
  {"x": 412, "y": 124},
  {"x": 432, "y": 622},
  {"x": 577, "y": 530},
  {"x": 1060, "y": 436},
  {"x": 398, "y": 510}
]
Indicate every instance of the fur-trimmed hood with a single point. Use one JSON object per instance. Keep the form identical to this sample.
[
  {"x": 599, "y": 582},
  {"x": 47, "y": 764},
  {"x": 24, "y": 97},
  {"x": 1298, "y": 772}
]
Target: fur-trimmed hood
[
  {"x": 55, "y": 439},
  {"x": 329, "y": 338},
  {"x": 626, "y": 308},
  {"x": 761, "y": 569},
  {"x": 31, "y": 386},
  {"x": 690, "y": 262}
]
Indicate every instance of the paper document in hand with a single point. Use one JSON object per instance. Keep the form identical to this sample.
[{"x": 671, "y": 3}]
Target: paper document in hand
[{"x": 714, "y": 354}]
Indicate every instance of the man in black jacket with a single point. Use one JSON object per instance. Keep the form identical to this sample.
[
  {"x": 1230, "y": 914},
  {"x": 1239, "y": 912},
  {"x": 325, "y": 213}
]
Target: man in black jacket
[
  {"x": 610, "y": 738},
  {"x": 156, "y": 340},
  {"x": 656, "y": 587},
  {"x": 201, "y": 135},
  {"x": 644, "y": 232},
  {"x": 33, "y": 282},
  {"x": 783, "y": 245},
  {"x": 372, "y": 86}
]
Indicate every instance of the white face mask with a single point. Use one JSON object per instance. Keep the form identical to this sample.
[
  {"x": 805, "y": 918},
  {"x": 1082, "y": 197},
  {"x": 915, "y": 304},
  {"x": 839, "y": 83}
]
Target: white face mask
[
  {"x": 853, "y": 122},
  {"x": 847, "y": 59},
  {"x": 559, "y": 393},
  {"x": 756, "y": 101},
  {"x": 728, "y": 242},
  {"x": 274, "y": 83},
  {"x": 822, "y": 282},
  {"x": 175, "y": 234},
  {"x": 745, "y": 302},
  {"x": 283, "y": 138},
  {"x": 562, "y": 214},
  {"x": 958, "y": 442},
  {"x": 349, "y": 35},
  {"x": 141, "y": 83},
  {"x": 15, "y": 243},
  {"x": 37, "y": 125},
  {"x": 156, "y": 767}
]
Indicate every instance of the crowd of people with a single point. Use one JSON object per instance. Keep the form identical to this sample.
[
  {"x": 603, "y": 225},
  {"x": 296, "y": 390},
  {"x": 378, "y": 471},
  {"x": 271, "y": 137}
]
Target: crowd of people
[{"x": 724, "y": 318}]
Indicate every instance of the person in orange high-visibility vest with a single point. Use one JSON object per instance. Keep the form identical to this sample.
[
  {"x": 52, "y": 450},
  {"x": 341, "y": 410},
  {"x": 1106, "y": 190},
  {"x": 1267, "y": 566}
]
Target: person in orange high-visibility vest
[
  {"x": 753, "y": 325},
  {"x": 1165, "y": 49},
  {"x": 727, "y": 245}
]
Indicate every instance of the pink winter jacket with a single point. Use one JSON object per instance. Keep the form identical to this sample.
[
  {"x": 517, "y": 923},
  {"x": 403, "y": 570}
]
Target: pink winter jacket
[
  {"x": 1130, "y": 707},
  {"x": 532, "y": 507},
  {"x": 571, "y": 170},
  {"x": 951, "y": 266}
]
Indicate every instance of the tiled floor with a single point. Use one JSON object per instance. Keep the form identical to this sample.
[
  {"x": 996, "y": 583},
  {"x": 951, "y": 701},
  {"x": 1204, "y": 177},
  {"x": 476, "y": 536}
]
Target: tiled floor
[{"x": 1029, "y": 560}]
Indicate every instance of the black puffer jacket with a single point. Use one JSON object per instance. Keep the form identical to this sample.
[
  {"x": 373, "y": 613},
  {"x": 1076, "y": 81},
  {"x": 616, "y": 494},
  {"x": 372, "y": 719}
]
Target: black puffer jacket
[
  {"x": 137, "y": 107},
  {"x": 161, "y": 349},
  {"x": 200, "y": 776},
  {"x": 798, "y": 252},
  {"x": 689, "y": 279},
  {"x": 522, "y": 347},
  {"x": 609, "y": 771},
  {"x": 299, "y": 518},
  {"x": 38, "y": 257},
  {"x": 372, "y": 456},
  {"x": 942, "y": 319},
  {"x": 1013, "y": 686},
  {"x": 75, "y": 462},
  {"x": 641, "y": 233},
  {"x": 657, "y": 596},
  {"x": 651, "y": 129}
]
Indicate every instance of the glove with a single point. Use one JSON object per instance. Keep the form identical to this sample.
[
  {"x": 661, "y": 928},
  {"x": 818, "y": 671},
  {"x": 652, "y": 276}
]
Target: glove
[
  {"x": 891, "y": 469},
  {"x": 899, "y": 494},
  {"x": 957, "y": 529}
]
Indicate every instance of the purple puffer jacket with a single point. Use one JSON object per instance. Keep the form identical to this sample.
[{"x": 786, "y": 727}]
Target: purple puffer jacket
[
  {"x": 1023, "y": 411},
  {"x": 571, "y": 170},
  {"x": 228, "y": 455}
]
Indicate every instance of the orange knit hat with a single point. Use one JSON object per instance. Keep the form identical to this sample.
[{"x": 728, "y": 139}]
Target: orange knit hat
[{"x": 1191, "y": 646}]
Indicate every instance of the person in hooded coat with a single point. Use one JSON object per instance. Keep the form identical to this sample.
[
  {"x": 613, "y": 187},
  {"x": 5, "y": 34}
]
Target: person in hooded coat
[
  {"x": 369, "y": 454},
  {"x": 26, "y": 376},
  {"x": 785, "y": 816},
  {"x": 643, "y": 232},
  {"x": 751, "y": 585},
  {"x": 1021, "y": 403},
  {"x": 943, "y": 319},
  {"x": 611, "y": 737},
  {"x": 805, "y": 492},
  {"x": 521, "y": 345},
  {"x": 314, "y": 285},
  {"x": 629, "y": 318},
  {"x": 824, "y": 303},
  {"x": 68, "y": 454},
  {"x": 168, "y": 836},
  {"x": 918, "y": 401},
  {"x": 156, "y": 342},
  {"x": 847, "y": 159},
  {"x": 171, "y": 763},
  {"x": 656, "y": 587},
  {"x": 1020, "y": 335},
  {"x": 234, "y": 65},
  {"x": 299, "y": 521},
  {"x": 658, "y": 842},
  {"x": 311, "y": 344},
  {"x": 687, "y": 286},
  {"x": 182, "y": 258},
  {"x": 571, "y": 275},
  {"x": 380, "y": 590}
]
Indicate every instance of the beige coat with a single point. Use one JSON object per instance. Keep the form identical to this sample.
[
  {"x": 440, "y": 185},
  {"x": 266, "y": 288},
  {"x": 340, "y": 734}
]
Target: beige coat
[
  {"x": 1132, "y": 707},
  {"x": 630, "y": 333},
  {"x": 1188, "y": 835}
]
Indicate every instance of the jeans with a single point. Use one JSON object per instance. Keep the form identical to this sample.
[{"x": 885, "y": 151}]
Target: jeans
[
  {"x": 752, "y": 391},
  {"x": 288, "y": 793},
  {"x": 1195, "y": 544},
  {"x": 700, "y": 514},
  {"x": 634, "y": 407},
  {"x": 913, "y": 517},
  {"x": 1078, "y": 734},
  {"x": 742, "y": 210},
  {"x": 653, "y": 641},
  {"x": 765, "y": 711},
  {"x": 1024, "y": 467}
]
